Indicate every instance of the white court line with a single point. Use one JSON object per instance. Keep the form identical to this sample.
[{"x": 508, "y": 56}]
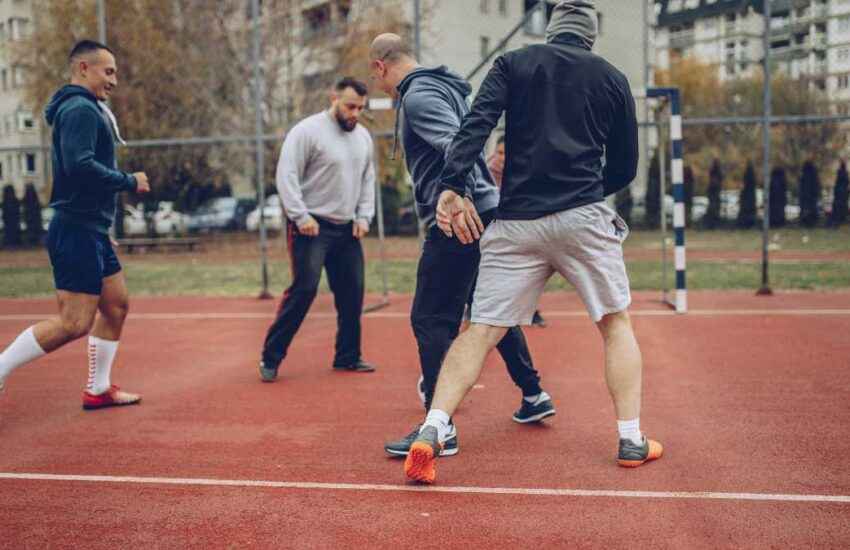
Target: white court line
[
  {"x": 406, "y": 315},
  {"x": 429, "y": 489}
]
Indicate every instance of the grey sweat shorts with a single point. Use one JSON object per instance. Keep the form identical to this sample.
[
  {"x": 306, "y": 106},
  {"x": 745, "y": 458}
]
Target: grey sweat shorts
[{"x": 584, "y": 245}]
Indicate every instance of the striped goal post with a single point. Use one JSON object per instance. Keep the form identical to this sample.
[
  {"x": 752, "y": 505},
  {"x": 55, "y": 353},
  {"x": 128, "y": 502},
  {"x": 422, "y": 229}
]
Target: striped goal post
[{"x": 673, "y": 97}]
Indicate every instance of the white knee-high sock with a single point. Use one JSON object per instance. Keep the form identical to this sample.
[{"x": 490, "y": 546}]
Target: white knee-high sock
[
  {"x": 101, "y": 354},
  {"x": 24, "y": 349}
]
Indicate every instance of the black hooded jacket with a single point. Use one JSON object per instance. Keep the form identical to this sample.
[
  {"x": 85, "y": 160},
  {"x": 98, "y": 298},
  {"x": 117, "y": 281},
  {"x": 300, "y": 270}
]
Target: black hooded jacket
[{"x": 570, "y": 135}]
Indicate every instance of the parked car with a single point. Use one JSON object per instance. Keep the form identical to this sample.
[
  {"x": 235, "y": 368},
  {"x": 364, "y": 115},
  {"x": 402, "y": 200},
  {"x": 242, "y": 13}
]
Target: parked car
[
  {"x": 135, "y": 224},
  {"x": 223, "y": 213},
  {"x": 272, "y": 215},
  {"x": 168, "y": 221}
]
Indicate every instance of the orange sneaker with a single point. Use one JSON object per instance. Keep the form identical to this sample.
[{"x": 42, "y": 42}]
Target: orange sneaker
[
  {"x": 632, "y": 456},
  {"x": 419, "y": 464},
  {"x": 113, "y": 397}
]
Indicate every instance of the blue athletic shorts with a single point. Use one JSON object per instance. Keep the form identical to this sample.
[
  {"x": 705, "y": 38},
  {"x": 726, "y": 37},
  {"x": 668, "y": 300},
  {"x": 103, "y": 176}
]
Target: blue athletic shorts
[{"x": 81, "y": 258}]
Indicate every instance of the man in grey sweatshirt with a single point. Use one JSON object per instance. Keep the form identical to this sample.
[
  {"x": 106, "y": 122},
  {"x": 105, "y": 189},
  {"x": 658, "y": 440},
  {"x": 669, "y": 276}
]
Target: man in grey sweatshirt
[
  {"x": 326, "y": 183},
  {"x": 432, "y": 103}
]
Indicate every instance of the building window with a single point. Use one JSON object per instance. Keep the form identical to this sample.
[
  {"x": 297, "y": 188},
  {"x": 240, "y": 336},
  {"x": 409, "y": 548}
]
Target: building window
[
  {"x": 484, "y": 6},
  {"x": 598, "y": 22},
  {"x": 4, "y": 76},
  {"x": 25, "y": 122},
  {"x": 843, "y": 81},
  {"x": 30, "y": 163},
  {"x": 844, "y": 24},
  {"x": 485, "y": 46},
  {"x": 1, "y": 170},
  {"x": 503, "y": 7}
]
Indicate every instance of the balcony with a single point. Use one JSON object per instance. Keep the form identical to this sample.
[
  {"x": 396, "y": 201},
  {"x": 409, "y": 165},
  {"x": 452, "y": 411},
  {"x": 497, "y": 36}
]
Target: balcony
[{"x": 682, "y": 39}]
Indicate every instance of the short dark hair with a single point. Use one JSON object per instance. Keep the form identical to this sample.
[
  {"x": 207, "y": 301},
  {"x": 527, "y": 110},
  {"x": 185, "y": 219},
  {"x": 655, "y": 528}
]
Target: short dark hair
[
  {"x": 353, "y": 83},
  {"x": 87, "y": 46}
]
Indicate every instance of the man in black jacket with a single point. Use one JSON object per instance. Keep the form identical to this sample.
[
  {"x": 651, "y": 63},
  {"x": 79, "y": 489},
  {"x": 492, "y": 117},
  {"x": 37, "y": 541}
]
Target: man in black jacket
[
  {"x": 432, "y": 103},
  {"x": 571, "y": 140},
  {"x": 86, "y": 270}
]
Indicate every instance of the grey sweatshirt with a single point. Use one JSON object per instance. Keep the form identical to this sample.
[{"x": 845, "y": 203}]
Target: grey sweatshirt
[
  {"x": 327, "y": 172},
  {"x": 433, "y": 104}
]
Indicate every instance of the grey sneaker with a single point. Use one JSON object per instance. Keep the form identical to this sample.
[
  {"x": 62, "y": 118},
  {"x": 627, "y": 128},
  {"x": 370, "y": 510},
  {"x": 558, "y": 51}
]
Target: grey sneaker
[
  {"x": 359, "y": 366},
  {"x": 632, "y": 456},
  {"x": 534, "y": 413},
  {"x": 419, "y": 464},
  {"x": 402, "y": 446},
  {"x": 267, "y": 374}
]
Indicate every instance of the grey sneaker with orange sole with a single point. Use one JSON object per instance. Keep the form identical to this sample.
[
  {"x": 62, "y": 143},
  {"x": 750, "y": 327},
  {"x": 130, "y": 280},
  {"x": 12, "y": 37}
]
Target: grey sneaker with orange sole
[
  {"x": 632, "y": 456},
  {"x": 419, "y": 464}
]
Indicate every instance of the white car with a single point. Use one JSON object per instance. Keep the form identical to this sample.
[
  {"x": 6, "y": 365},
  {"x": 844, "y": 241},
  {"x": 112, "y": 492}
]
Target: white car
[
  {"x": 168, "y": 221},
  {"x": 272, "y": 216},
  {"x": 134, "y": 221}
]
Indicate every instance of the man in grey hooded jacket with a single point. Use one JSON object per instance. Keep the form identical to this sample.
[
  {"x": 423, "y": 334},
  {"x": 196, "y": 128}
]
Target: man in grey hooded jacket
[{"x": 431, "y": 105}]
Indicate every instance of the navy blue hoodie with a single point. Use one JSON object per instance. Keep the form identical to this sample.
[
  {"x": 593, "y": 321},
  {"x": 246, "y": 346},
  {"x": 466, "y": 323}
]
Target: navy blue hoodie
[
  {"x": 85, "y": 178},
  {"x": 433, "y": 104}
]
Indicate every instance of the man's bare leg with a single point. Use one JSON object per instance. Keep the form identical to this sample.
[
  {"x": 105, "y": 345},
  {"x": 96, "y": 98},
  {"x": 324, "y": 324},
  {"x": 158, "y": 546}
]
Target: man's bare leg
[
  {"x": 103, "y": 346},
  {"x": 461, "y": 369},
  {"x": 462, "y": 365},
  {"x": 623, "y": 364},
  {"x": 623, "y": 374},
  {"x": 76, "y": 314},
  {"x": 113, "y": 307}
]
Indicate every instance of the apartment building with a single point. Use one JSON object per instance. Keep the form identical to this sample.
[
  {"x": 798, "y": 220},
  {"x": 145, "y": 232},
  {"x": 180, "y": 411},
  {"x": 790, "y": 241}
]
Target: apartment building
[
  {"x": 808, "y": 39},
  {"x": 19, "y": 126}
]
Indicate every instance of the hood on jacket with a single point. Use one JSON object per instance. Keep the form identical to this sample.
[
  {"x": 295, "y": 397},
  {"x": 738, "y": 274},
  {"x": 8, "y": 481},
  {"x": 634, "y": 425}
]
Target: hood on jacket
[
  {"x": 576, "y": 17},
  {"x": 442, "y": 74},
  {"x": 62, "y": 94}
]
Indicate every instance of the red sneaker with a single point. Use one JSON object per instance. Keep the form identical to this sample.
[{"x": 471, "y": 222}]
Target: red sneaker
[{"x": 113, "y": 397}]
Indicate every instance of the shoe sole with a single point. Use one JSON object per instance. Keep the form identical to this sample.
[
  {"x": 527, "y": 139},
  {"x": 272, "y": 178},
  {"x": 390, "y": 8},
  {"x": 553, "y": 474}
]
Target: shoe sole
[
  {"x": 267, "y": 380},
  {"x": 535, "y": 418},
  {"x": 353, "y": 370},
  {"x": 109, "y": 405},
  {"x": 444, "y": 452},
  {"x": 419, "y": 464},
  {"x": 655, "y": 452}
]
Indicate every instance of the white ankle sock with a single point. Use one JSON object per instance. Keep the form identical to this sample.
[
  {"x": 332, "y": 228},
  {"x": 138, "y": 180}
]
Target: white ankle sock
[
  {"x": 630, "y": 429},
  {"x": 537, "y": 399},
  {"x": 440, "y": 420},
  {"x": 101, "y": 354},
  {"x": 24, "y": 349}
]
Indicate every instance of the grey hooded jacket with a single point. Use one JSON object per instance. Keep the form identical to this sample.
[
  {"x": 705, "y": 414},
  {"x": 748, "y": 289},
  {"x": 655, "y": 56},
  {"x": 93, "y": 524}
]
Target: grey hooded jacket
[{"x": 433, "y": 102}]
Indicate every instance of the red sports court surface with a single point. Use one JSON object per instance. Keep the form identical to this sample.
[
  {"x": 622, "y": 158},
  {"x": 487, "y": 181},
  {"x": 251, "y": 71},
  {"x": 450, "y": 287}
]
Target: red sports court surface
[{"x": 748, "y": 395}]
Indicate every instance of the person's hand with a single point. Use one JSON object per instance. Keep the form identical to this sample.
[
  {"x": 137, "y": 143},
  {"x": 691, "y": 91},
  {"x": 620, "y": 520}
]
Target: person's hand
[
  {"x": 309, "y": 227},
  {"x": 142, "y": 184},
  {"x": 472, "y": 218},
  {"x": 456, "y": 216},
  {"x": 360, "y": 228},
  {"x": 113, "y": 242}
]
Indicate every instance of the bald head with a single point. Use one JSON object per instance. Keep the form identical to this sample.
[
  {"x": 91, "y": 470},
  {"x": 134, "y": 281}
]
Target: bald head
[{"x": 389, "y": 48}]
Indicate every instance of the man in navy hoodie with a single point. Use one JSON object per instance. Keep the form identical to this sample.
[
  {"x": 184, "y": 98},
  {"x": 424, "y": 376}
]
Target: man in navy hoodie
[
  {"x": 432, "y": 103},
  {"x": 86, "y": 271}
]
